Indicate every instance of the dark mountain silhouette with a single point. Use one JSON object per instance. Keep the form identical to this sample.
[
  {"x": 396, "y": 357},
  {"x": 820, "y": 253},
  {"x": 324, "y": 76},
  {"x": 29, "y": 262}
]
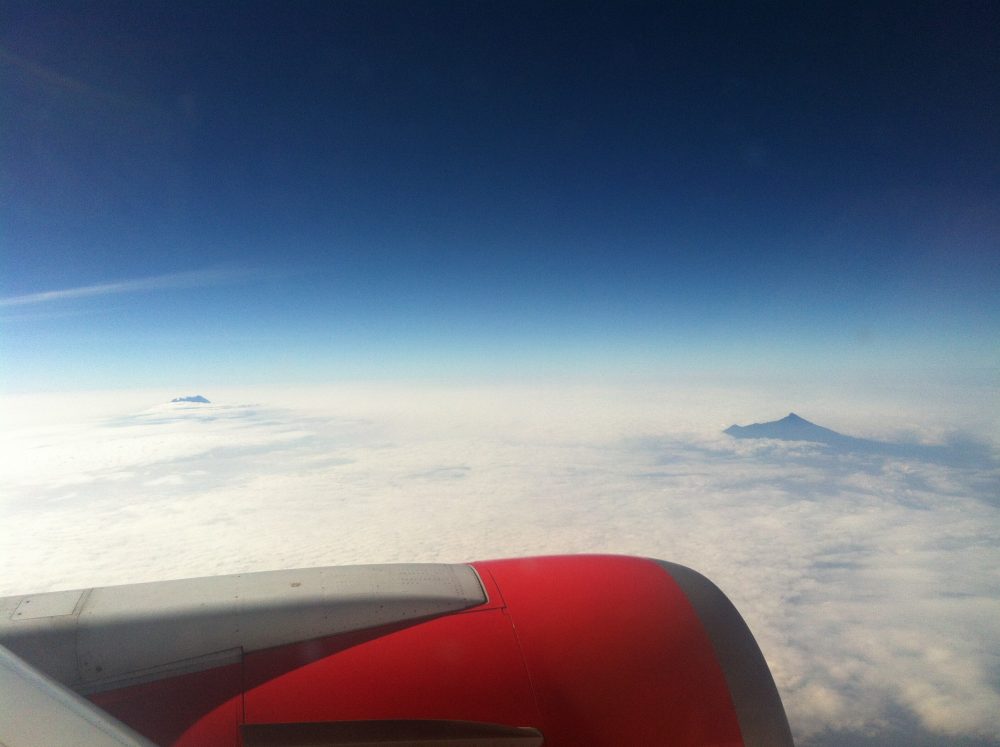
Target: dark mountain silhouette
[
  {"x": 792, "y": 428},
  {"x": 195, "y": 398},
  {"x": 960, "y": 452}
]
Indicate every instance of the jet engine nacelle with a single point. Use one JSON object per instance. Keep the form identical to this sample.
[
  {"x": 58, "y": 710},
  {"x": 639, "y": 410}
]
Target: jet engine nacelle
[{"x": 566, "y": 650}]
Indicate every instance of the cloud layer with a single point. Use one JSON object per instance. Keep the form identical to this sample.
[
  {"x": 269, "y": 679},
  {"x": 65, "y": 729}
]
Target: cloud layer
[{"x": 869, "y": 580}]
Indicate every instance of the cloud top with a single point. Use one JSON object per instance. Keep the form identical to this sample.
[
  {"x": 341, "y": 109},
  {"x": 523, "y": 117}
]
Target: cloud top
[{"x": 869, "y": 580}]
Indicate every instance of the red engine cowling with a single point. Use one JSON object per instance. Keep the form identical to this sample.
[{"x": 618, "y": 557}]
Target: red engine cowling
[{"x": 568, "y": 650}]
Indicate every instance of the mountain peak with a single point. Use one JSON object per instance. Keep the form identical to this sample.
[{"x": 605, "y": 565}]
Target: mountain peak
[
  {"x": 789, "y": 428},
  {"x": 192, "y": 398}
]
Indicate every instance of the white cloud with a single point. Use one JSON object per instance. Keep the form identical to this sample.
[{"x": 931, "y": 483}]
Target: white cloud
[
  {"x": 871, "y": 583},
  {"x": 191, "y": 279}
]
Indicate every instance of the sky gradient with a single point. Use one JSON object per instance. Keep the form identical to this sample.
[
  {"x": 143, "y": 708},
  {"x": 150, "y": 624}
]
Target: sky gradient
[{"x": 307, "y": 192}]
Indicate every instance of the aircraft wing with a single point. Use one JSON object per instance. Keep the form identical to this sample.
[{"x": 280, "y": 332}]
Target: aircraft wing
[
  {"x": 562, "y": 650},
  {"x": 37, "y": 710}
]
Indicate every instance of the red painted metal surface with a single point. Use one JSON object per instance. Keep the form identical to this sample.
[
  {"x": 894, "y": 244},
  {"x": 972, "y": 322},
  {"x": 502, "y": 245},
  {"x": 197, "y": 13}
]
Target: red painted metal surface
[
  {"x": 589, "y": 649},
  {"x": 464, "y": 666},
  {"x": 615, "y": 653},
  {"x": 202, "y": 708}
]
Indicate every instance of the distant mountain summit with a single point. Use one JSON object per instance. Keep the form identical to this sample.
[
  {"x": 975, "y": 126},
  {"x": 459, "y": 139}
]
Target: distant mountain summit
[
  {"x": 195, "y": 398},
  {"x": 792, "y": 428},
  {"x": 961, "y": 452}
]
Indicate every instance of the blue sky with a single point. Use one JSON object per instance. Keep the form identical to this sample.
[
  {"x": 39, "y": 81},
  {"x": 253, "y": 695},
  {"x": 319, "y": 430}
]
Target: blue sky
[{"x": 292, "y": 192}]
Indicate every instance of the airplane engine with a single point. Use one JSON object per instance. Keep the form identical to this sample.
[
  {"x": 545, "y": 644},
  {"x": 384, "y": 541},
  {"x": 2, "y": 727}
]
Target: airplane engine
[{"x": 564, "y": 650}]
